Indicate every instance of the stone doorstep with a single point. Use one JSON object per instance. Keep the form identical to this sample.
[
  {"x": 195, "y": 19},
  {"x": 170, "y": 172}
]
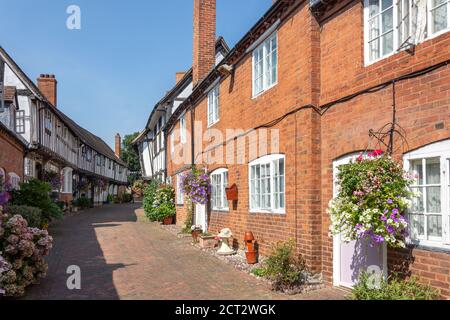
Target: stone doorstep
[{"x": 315, "y": 284}]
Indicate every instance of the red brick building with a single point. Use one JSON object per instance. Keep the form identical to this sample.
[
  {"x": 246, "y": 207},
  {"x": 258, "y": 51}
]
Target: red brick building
[
  {"x": 318, "y": 78},
  {"x": 12, "y": 153}
]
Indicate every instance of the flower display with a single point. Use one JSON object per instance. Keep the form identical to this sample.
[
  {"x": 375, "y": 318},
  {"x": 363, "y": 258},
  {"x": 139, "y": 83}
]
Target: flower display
[
  {"x": 22, "y": 251},
  {"x": 196, "y": 186},
  {"x": 373, "y": 200},
  {"x": 5, "y": 188},
  {"x": 54, "y": 179}
]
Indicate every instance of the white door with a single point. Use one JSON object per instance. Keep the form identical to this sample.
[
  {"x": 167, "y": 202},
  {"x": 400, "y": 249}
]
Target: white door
[
  {"x": 200, "y": 216},
  {"x": 350, "y": 259}
]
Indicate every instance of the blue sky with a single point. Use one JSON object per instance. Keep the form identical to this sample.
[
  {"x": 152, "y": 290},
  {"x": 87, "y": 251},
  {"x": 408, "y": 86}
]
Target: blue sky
[{"x": 122, "y": 61}]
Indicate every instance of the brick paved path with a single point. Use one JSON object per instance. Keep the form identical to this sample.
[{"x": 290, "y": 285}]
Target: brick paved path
[{"x": 122, "y": 256}]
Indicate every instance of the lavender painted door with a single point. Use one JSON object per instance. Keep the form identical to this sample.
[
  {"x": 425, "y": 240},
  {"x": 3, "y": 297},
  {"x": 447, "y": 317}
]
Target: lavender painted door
[
  {"x": 359, "y": 256},
  {"x": 350, "y": 259}
]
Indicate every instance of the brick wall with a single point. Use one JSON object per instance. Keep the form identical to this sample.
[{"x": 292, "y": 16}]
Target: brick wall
[
  {"x": 319, "y": 63},
  {"x": 11, "y": 155},
  {"x": 422, "y": 107}
]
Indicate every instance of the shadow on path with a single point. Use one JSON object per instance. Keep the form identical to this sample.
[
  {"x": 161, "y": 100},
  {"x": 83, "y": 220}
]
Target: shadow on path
[{"x": 76, "y": 243}]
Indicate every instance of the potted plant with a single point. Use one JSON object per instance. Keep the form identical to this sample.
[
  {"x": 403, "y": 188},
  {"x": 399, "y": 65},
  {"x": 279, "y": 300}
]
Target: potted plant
[
  {"x": 196, "y": 231},
  {"x": 207, "y": 240},
  {"x": 166, "y": 213}
]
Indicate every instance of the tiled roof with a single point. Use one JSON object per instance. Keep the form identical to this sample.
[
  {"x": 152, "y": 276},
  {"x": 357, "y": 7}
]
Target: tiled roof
[{"x": 87, "y": 137}]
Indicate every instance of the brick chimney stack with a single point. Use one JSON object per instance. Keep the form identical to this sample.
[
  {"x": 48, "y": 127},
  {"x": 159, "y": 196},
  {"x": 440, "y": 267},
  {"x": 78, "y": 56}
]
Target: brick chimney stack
[
  {"x": 179, "y": 75},
  {"x": 48, "y": 85},
  {"x": 204, "y": 53},
  {"x": 118, "y": 146}
]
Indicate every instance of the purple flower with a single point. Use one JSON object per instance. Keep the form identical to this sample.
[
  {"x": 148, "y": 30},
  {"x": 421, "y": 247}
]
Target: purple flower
[
  {"x": 377, "y": 238},
  {"x": 395, "y": 211},
  {"x": 390, "y": 229},
  {"x": 383, "y": 218},
  {"x": 390, "y": 201}
]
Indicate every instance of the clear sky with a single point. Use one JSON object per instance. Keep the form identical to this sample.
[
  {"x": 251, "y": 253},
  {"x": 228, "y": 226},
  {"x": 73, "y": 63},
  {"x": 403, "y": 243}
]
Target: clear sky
[{"x": 112, "y": 72}]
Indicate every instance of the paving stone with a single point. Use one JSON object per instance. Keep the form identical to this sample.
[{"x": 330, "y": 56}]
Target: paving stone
[{"x": 122, "y": 256}]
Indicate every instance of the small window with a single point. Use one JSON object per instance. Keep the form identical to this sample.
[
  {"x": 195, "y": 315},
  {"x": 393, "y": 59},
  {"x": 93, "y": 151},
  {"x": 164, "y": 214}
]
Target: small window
[
  {"x": 180, "y": 195},
  {"x": 267, "y": 184},
  {"x": 67, "y": 180},
  {"x": 219, "y": 181},
  {"x": 265, "y": 65},
  {"x": 14, "y": 180},
  {"x": 20, "y": 121},
  {"x": 183, "y": 129},
  {"x": 429, "y": 215},
  {"x": 213, "y": 105},
  {"x": 438, "y": 15}
]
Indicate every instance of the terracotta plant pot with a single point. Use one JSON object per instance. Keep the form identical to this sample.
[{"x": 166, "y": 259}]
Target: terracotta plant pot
[
  {"x": 195, "y": 235},
  {"x": 252, "y": 257},
  {"x": 168, "y": 221}
]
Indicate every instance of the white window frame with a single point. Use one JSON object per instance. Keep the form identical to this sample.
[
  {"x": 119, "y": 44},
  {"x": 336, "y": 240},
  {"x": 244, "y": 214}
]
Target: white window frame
[
  {"x": 429, "y": 19},
  {"x": 66, "y": 187},
  {"x": 214, "y": 105},
  {"x": 180, "y": 194},
  {"x": 264, "y": 48},
  {"x": 14, "y": 180},
  {"x": 221, "y": 174},
  {"x": 397, "y": 45},
  {"x": 439, "y": 150},
  {"x": 183, "y": 129},
  {"x": 172, "y": 143},
  {"x": 269, "y": 160},
  {"x": 20, "y": 121}
]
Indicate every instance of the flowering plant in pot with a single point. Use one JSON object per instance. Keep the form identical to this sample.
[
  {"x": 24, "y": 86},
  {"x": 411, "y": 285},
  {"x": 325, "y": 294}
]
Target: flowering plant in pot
[
  {"x": 196, "y": 186},
  {"x": 196, "y": 231},
  {"x": 373, "y": 200}
]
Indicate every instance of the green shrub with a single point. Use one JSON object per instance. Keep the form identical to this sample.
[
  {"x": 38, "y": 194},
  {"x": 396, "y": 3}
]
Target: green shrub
[
  {"x": 163, "y": 204},
  {"x": 284, "y": 267},
  {"x": 126, "y": 198},
  {"x": 83, "y": 203},
  {"x": 394, "y": 288},
  {"x": 259, "y": 272},
  {"x": 36, "y": 193},
  {"x": 31, "y": 214},
  {"x": 149, "y": 197},
  {"x": 110, "y": 198}
]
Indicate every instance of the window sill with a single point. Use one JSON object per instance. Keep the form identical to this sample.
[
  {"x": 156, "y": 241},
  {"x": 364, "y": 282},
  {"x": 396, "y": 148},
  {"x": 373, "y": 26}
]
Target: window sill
[
  {"x": 212, "y": 124},
  {"x": 220, "y": 210},
  {"x": 429, "y": 247},
  {"x": 261, "y": 211},
  {"x": 255, "y": 96}
]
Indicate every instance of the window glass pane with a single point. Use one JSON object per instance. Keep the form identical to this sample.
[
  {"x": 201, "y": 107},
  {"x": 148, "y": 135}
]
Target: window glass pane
[
  {"x": 417, "y": 202},
  {"x": 417, "y": 171},
  {"x": 388, "y": 42},
  {"x": 374, "y": 30},
  {"x": 386, "y": 4},
  {"x": 433, "y": 171},
  {"x": 224, "y": 194},
  {"x": 439, "y": 18},
  {"x": 374, "y": 48},
  {"x": 387, "y": 20},
  {"x": 434, "y": 199},
  {"x": 374, "y": 7},
  {"x": 417, "y": 226},
  {"x": 434, "y": 226}
]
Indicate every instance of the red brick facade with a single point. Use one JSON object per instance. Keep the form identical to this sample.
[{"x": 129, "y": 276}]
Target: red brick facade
[
  {"x": 321, "y": 61},
  {"x": 11, "y": 154}
]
